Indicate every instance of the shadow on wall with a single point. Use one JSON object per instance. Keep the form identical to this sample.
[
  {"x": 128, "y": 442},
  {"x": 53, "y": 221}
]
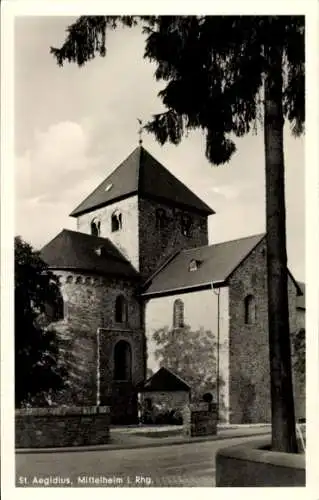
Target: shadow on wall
[{"x": 246, "y": 399}]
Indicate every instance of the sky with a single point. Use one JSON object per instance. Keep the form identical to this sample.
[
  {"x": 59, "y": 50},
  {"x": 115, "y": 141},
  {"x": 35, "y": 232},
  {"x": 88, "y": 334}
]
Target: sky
[{"x": 73, "y": 126}]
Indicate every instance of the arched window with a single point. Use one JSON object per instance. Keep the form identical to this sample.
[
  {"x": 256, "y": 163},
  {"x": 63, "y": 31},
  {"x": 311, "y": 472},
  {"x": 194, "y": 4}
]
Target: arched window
[
  {"x": 95, "y": 227},
  {"x": 66, "y": 309},
  {"x": 59, "y": 310},
  {"x": 178, "y": 314},
  {"x": 120, "y": 309},
  {"x": 116, "y": 221},
  {"x": 122, "y": 361},
  {"x": 250, "y": 309},
  {"x": 56, "y": 311}
]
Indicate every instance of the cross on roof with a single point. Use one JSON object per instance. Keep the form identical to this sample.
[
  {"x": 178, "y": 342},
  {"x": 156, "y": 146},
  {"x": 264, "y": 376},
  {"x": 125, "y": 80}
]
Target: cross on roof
[{"x": 140, "y": 131}]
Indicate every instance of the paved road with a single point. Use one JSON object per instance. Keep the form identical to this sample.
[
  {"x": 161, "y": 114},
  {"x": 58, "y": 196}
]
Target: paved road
[{"x": 178, "y": 465}]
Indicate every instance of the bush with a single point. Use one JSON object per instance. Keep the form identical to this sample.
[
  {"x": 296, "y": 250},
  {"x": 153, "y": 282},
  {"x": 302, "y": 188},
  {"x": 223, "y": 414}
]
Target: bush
[{"x": 169, "y": 417}]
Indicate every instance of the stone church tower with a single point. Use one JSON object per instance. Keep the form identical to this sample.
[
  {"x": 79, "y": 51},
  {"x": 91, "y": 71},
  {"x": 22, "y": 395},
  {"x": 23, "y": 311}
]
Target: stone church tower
[
  {"x": 145, "y": 211},
  {"x": 137, "y": 219}
]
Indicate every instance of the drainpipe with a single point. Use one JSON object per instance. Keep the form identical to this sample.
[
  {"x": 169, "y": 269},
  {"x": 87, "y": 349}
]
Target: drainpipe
[
  {"x": 217, "y": 292},
  {"x": 143, "y": 305},
  {"x": 98, "y": 389}
]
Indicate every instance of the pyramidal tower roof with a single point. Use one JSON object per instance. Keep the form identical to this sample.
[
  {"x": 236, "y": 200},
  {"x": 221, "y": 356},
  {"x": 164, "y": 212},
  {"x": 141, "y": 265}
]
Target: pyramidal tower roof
[{"x": 141, "y": 174}]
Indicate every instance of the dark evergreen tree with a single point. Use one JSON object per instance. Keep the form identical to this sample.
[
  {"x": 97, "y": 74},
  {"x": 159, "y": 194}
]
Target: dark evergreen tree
[
  {"x": 225, "y": 74},
  {"x": 39, "y": 373}
]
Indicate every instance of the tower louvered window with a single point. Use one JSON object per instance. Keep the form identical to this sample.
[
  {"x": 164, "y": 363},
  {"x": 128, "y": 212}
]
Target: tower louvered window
[
  {"x": 186, "y": 225},
  {"x": 116, "y": 221},
  {"x": 95, "y": 227},
  {"x": 161, "y": 218}
]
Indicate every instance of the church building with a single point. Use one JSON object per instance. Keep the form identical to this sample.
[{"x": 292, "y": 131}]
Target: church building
[{"x": 140, "y": 260}]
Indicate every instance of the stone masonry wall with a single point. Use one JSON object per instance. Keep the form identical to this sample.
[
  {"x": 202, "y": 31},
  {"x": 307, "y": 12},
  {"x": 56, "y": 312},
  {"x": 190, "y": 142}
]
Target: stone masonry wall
[
  {"x": 200, "y": 420},
  {"x": 249, "y": 381},
  {"x": 301, "y": 318},
  {"x": 89, "y": 305},
  {"x": 157, "y": 245},
  {"x": 58, "y": 427},
  {"x": 126, "y": 239},
  {"x": 298, "y": 380}
]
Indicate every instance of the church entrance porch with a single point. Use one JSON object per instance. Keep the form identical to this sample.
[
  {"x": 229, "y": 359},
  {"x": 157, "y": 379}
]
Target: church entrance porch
[{"x": 120, "y": 369}]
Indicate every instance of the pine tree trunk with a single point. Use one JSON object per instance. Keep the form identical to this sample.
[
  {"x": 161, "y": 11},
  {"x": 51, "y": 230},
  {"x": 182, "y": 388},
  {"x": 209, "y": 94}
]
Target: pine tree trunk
[{"x": 282, "y": 403}]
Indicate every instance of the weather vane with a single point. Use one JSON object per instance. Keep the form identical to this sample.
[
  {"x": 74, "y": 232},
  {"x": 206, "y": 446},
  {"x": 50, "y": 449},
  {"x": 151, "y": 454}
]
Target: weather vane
[{"x": 140, "y": 131}]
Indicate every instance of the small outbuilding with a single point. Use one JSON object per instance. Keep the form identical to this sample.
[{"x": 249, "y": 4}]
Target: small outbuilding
[{"x": 163, "y": 396}]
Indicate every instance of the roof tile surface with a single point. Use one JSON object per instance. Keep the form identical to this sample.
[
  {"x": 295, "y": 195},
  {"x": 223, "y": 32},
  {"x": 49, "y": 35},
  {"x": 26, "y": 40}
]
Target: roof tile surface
[
  {"x": 141, "y": 173},
  {"x": 79, "y": 251},
  {"x": 214, "y": 264},
  {"x": 165, "y": 380}
]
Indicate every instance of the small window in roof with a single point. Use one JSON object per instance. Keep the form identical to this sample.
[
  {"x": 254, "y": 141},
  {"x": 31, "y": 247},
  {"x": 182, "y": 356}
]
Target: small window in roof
[
  {"x": 108, "y": 187},
  {"x": 193, "y": 265},
  {"x": 99, "y": 251}
]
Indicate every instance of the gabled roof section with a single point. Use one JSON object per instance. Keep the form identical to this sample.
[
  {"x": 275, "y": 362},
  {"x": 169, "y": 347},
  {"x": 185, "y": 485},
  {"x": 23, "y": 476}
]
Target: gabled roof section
[
  {"x": 164, "y": 380},
  {"x": 141, "y": 174},
  {"x": 83, "y": 252},
  {"x": 121, "y": 183},
  {"x": 217, "y": 263}
]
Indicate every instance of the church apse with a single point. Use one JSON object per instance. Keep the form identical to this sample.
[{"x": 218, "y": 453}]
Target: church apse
[{"x": 98, "y": 303}]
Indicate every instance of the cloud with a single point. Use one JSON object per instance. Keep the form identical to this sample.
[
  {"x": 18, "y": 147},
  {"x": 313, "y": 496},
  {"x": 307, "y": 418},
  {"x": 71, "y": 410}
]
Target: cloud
[
  {"x": 37, "y": 222},
  {"x": 51, "y": 178},
  {"x": 229, "y": 192},
  {"x": 57, "y": 162}
]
